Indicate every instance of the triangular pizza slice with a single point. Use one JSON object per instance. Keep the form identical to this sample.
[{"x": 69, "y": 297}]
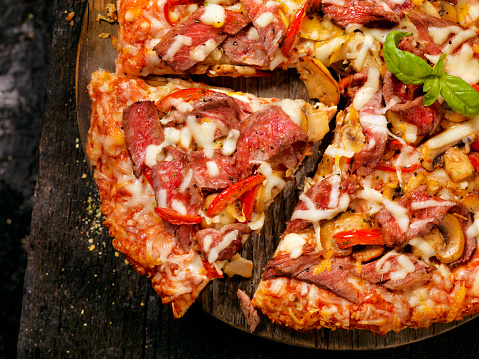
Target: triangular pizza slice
[
  {"x": 384, "y": 236},
  {"x": 186, "y": 171}
]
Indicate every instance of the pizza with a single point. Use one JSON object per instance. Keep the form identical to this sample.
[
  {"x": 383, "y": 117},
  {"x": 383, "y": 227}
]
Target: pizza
[
  {"x": 383, "y": 237},
  {"x": 186, "y": 171}
]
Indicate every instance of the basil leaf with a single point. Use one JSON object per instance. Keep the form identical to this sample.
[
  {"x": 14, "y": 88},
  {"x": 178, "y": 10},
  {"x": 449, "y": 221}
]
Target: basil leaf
[
  {"x": 432, "y": 86},
  {"x": 438, "y": 68},
  {"x": 459, "y": 95},
  {"x": 407, "y": 67}
]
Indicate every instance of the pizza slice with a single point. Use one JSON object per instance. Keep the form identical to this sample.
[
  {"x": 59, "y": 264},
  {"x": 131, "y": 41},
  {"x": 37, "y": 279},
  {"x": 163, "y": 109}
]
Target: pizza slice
[
  {"x": 384, "y": 237},
  {"x": 186, "y": 171},
  {"x": 247, "y": 37}
]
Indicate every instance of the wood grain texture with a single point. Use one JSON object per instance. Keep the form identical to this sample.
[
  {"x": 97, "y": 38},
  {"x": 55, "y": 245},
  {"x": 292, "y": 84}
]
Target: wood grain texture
[{"x": 84, "y": 301}]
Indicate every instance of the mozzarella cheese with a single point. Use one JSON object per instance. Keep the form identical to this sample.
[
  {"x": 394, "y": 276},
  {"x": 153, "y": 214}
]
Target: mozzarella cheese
[
  {"x": 264, "y": 19},
  {"x": 213, "y": 15},
  {"x": 369, "y": 89},
  {"x": 179, "y": 42},
  {"x": 201, "y": 52}
]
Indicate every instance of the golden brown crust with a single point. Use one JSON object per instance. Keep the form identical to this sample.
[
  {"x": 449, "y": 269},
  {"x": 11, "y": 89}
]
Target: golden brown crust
[{"x": 127, "y": 202}]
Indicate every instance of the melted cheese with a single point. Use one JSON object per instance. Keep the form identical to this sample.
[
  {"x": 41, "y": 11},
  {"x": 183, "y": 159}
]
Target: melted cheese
[
  {"x": 430, "y": 203},
  {"x": 253, "y": 34},
  {"x": 213, "y": 169},
  {"x": 172, "y": 137},
  {"x": 440, "y": 34},
  {"x": 399, "y": 212},
  {"x": 454, "y": 134},
  {"x": 277, "y": 60},
  {"x": 424, "y": 247},
  {"x": 292, "y": 243},
  {"x": 201, "y": 52},
  {"x": 225, "y": 242},
  {"x": 204, "y": 134},
  {"x": 272, "y": 180},
  {"x": 369, "y": 89},
  {"x": 186, "y": 181},
  {"x": 229, "y": 146},
  {"x": 314, "y": 215},
  {"x": 461, "y": 64},
  {"x": 179, "y": 207},
  {"x": 179, "y": 42},
  {"x": 293, "y": 108},
  {"x": 335, "y": 152},
  {"x": 368, "y": 44},
  {"x": 264, "y": 19},
  {"x": 213, "y": 15}
]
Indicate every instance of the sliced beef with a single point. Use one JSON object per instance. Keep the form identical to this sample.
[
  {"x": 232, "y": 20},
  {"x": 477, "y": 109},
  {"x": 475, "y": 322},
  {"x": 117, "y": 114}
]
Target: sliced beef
[
  {"x": 244, "y": 49},
  {"x": 334, "y": 278},
  {"x": 388, "y": 272},
  {"x": 406, "y": 101},
  {"x": 360, "y": 12},
  {"x": 249, "y": 311},
  {"x": 190, "y": 34},
  {"x": 268, "y": 23},
  {"x": 423, "y": 21},
  {"x": 374, "y": 126},
  {"x": 421, "y": 218},
  {"x": 219, "y": 174},
  {"x": 269, "y": 135},
  {"x": 222, "y": 244},
  {"x": 142, "y": 128},
  {"x": 320, "y": 195},
  {"x": 225, "y": 111},
  {"x": 465, "y": 219},
  {"x": 184, "y": 233},
  {"x": 174, "y": 184}
]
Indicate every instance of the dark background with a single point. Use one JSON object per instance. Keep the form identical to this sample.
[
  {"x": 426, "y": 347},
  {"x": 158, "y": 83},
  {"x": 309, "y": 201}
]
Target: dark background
[{"x": 25, "y": 39}]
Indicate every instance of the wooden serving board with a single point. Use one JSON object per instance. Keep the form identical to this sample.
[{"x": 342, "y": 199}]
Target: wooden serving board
[{"x": 219, "y": 297}]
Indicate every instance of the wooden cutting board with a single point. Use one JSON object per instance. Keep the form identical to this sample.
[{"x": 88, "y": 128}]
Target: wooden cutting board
[{"x": 219, "y": 297}]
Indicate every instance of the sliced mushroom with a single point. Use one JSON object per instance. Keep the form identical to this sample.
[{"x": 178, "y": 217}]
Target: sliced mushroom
[
  {"x": 318, "y": 81},
  {"x": 441, "y": 142},
  {"x": 453, "y": 235},
  {"x": 352, "y": 137},
  {"x": 368, "y": 253},
  {"x": 318, "y": 120}
]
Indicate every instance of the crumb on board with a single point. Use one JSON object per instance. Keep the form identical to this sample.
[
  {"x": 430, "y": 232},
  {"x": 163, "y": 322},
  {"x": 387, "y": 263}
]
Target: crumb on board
[
  {"x": 104, "y": 35},
  {"x": 111, "y": 15},
  {"x": 70, "y": 15}
]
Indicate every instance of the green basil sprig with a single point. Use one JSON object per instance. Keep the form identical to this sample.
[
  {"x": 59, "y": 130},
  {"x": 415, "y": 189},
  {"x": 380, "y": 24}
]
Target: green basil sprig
[{"x": 411, "y": 69}]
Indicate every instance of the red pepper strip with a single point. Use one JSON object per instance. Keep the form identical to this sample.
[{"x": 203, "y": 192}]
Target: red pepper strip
[
  {"x": 170, "y": 3},
  {"x": 249, "y": 201},
  {"x": 294, "y": 28},
  {"x": 474, "y": 156},
  {"x": 147, "y": 174},
  {"x": 475, "y": 146},
  {"x": 343, "y": 83},
  {"x": 232, "y": 193},
  {"x": 401, "y": 169},
  {"x": 346, "y": 239},
  {"x": 174, "y": 217},
  {"x": 210, "y": 270},
  {"x": 476, "y": 87},
  {"x": 186, "y": 95}
]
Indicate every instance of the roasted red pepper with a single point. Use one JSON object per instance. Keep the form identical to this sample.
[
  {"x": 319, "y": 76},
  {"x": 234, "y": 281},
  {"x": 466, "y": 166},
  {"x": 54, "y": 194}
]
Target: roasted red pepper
[
  {"x": 233, "y": 193},
  {"x": 344, "y": 83},
  {"x": 346, "y": 239},
  {"x": 474, "y": 156},
  {"x": 170, "y": 3},
  {"x": 147, "y": 174},
  {"x": 174, "y": 217},
  {"x": 475, "y": 146},
  {"x": 186, "y": 95},
  {"x": 249, "y": 200},
  {"x": 294, "y": 28},
  {"x": 395, "y": 145},
  {"x": 210, "y": 270}
]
